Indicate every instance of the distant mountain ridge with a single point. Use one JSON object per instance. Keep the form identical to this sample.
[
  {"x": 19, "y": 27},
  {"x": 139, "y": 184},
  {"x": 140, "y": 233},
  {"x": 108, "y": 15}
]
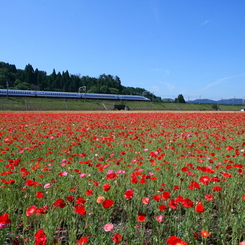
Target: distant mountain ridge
[{"x": 232, "y": 101}]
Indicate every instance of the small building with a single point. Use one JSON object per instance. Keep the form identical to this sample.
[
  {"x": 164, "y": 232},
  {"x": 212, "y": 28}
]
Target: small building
[{"x": 120, "y": 107}]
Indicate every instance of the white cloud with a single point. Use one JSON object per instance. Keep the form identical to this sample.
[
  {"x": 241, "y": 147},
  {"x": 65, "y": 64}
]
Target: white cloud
[
  {"x": 167, "y": 72},
  {"x": 169, "y": 86},
  {"x": 222, "y": 80},
  {"x": 205, "y": 22}
]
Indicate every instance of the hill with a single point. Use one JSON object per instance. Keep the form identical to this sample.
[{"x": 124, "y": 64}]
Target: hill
[
  {"x": 30, "y": 79},
  {"x": 231, "y": 101}
]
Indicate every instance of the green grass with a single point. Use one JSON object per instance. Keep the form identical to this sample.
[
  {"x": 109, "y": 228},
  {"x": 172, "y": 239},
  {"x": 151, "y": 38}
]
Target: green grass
[{"x": 50, "y": 104}]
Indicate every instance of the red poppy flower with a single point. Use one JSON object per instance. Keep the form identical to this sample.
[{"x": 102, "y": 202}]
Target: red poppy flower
[
  {"x": 116, "y": 238},
  {"x": 111, "y": 176},
  {"x": 106, "y": 187},
  {"x": 59, "y": 203},
  {"x": 4, "y": 220},
  {"x": 187, "y": 203},
  {"x": 199, "y": 207},
  {"x": 129, "y": 194},
  {"x": 166, "y": 195},
  {"x": 79, "y": 209},
  {"x": 217, "y": 188},
  {"x": 32, "y": 183},
  {"x": 141, "y": 217},
  {"x": 162, "y": 207},
  {"x": 82, "y": 240},
  {"x": 229, "y": 147},
  {"x": 173, "y": 204},
  {"x": 173, "y": 240},
  {"x": 31, "y": 210},
  {"x": 205, "y": 233},
  {"x": 194, "y": 185},
  {"x": 89, "y": 192},
  {"x": 70, "y": 198},
  {"x": 80, "y": 200},
  {"x": 205, "y": 180},
  {"x": 176, "y": 187},
  {"x": 39, "y": 194},
  {"x": 209, "y": 197},
  {"x": 108, "y": 203},
  {"x": 42, "y": 210},
  {"x": 157, "y": 197},
  {"x": 145, "y": 200},
  {"x": 40, "y": 237},
  {"x": 227, "y": 175}
]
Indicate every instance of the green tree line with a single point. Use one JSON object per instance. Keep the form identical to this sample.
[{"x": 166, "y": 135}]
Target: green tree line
[{"x": 30, "y": 79}]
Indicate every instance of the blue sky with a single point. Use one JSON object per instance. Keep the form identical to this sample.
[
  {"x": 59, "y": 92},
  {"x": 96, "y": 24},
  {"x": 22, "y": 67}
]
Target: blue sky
[{"x": 169, "y": 47}]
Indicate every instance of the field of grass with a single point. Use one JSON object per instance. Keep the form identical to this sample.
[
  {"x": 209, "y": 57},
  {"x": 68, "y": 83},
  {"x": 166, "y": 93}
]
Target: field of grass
[
  {"x": 122, "y": 178},
  {"x": 49, "y": 104}
]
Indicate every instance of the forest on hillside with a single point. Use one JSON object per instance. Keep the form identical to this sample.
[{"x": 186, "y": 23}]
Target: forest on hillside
[{"x": 30, "y": 79}]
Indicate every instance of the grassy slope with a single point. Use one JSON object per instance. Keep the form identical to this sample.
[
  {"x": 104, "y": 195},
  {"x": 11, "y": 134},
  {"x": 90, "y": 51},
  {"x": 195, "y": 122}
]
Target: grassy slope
[{"x": 48, "y": 104}]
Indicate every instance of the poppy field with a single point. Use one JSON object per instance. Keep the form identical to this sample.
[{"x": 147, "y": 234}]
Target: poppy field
[{"x": 122, "y": 178}]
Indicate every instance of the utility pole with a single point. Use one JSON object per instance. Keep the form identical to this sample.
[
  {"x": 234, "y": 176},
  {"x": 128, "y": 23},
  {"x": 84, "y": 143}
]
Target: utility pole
[{"x": 7, "y": 85}]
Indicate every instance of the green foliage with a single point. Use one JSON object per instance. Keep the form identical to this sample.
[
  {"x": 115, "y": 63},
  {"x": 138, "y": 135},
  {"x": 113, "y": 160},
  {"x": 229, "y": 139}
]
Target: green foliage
[
  {"x": 180, "y": 99},
  {"x": 66, "y": 82}
]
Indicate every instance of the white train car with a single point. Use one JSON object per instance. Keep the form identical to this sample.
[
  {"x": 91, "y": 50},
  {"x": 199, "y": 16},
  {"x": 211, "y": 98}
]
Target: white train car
[{"x": 50, "y": 94}]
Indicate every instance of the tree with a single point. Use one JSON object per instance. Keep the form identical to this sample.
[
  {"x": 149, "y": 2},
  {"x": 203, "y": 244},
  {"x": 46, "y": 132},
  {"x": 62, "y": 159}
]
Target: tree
[
  {"x": 28, "y": 74},
  {"x": 22, "y": 86},
  {"x": 180, "y": 99}
]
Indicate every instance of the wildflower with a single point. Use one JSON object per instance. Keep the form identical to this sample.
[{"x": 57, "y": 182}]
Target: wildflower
[
  {"x": 141, "y": 217},
  {"x": 79, "y": 209},
  {"x": 80, "y": 201},
  {"x": 194, "y": 185},
  {"x": 157, "y": 198},
  {"x": 82, "y": 240},
  {"x": 39, "y": 194},
  {"x": 205, "y": 233},
  {"x": 205, "y": 180},
  {"x": 187, "y": 203},
  {"x": 100, "y": 199},
  {"x": 89, "y": 192},
  {"x": 162, "y": 207},
  {"x": 217, "y": 188},
  {"x": 63, "y": 174},
  {"x": 70, "y": 198},
  {"x": 173, "y": 240},
  {"x": 199, "y": 207},
  {"x": 46, "y": 186},
  {"x": 40, "y": 237},
  {"x": 108, "y": 203},
  {"x": 108, "y": 227},
  {"x": 166, "y": 195},
  {"x": 31, "y": 210},
  {"x": 229, "y": 147},
  {"x": 106, "y": 187},
  {"x": 4, "y": 220},
  {"x": 209, "y": 197},
  {"x": 129, "y": 194},
  {"x": 42, "y": 210},
  {"x": 116, "y": 238},
  {"x": 160, "y": 218},
  {"x": 173, "y": 204},
  {"x": 176, "y": 187},
  {"x": 59, "y": 203},
  {"x": 145, "y": 200}
]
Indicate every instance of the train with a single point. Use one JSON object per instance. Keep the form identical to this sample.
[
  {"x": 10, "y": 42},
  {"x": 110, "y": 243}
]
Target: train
[{"x": 50, "y": 94}]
